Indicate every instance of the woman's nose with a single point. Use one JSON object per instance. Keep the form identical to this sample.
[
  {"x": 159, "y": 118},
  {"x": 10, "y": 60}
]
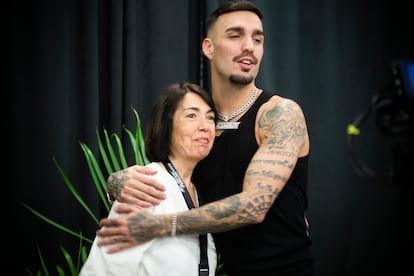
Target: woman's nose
[{"x": 204, "y": 124}]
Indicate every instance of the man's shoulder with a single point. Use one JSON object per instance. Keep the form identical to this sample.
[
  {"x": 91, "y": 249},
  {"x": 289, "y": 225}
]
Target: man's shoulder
[
  {"x": 277, "y": 106},
  {"x": 275, "y": 100}
]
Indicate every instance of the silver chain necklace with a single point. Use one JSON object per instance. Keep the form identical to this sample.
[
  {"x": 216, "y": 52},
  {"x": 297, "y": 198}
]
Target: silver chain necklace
[{"x": 239, "y": 111}]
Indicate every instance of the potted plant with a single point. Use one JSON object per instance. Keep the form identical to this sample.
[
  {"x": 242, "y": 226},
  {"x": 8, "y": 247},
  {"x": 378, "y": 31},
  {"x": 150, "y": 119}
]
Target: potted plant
[{"x": 113, "y": 158}]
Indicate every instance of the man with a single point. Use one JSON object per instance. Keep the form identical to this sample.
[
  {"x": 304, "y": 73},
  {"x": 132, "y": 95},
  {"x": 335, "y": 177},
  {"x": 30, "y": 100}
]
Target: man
[{"x": 253, "y": 182}]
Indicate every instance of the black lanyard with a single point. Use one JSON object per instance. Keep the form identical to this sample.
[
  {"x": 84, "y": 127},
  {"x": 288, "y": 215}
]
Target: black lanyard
[{"x": 203, "y": 266}]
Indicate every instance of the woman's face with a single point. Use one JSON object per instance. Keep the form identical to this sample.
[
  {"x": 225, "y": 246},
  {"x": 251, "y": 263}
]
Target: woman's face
[{"x": 193, "y": 130}]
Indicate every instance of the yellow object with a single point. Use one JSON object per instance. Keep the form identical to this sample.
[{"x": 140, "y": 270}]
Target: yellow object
[{"x": 352, "y": 130}]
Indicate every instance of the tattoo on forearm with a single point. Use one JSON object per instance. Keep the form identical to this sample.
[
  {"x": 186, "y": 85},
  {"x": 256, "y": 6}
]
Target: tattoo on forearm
[
  {"x": 258, "y": 205},
  {"x": 230, "y": 214},
  {"x": 229, "y": 207}
]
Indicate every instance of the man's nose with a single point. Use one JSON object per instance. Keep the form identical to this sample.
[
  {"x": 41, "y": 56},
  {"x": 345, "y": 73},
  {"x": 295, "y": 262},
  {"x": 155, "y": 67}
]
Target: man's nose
[{"x": 248, "y": 44}]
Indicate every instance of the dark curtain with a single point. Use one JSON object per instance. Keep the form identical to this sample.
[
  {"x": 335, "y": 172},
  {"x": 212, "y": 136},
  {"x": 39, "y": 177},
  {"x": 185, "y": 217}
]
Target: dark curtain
[{"x": 75, "y": 67}]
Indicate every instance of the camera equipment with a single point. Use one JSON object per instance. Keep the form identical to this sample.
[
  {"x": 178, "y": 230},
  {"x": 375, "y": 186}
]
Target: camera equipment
[{"x": 393, "y": 109}]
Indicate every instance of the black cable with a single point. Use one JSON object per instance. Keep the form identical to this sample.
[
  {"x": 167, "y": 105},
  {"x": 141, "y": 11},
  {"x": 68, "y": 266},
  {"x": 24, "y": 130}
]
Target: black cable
[
  {"x": 393, "y": 111},
  {"x": 360, "y": 167}
]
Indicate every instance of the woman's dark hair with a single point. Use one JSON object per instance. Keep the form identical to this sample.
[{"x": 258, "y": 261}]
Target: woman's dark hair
[
  {"x": 159, "y": 127},
  {"x": 231, "y": 6}
]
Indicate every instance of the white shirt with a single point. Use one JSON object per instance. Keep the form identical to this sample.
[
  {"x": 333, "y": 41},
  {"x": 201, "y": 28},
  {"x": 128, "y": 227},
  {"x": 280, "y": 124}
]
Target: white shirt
[{"x": 168, "y": 256}]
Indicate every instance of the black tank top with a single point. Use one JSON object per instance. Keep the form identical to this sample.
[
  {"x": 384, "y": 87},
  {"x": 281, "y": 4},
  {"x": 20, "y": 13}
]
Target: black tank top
[{"x": 277, "y": 246}]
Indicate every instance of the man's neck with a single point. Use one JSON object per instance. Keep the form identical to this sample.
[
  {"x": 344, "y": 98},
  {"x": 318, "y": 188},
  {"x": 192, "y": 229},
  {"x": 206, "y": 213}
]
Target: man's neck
[{"x": 231, "y": 97}]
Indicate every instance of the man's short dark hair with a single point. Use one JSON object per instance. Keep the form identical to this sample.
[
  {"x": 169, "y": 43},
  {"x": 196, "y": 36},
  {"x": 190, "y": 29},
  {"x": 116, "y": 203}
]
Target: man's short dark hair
[{"x": 231, "y": 6}]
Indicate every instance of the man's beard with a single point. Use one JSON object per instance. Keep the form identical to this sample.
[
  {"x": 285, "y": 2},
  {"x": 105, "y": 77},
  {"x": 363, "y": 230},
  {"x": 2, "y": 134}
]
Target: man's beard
[{"x": 240, "y": 80}]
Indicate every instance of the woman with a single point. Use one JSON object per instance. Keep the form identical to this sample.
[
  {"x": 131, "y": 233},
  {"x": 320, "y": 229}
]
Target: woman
[{"x": 179, "y": 134}]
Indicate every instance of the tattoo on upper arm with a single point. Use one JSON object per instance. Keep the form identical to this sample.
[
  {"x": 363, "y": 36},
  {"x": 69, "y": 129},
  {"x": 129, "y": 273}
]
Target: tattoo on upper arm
[
  {"x": 284, "y": 163},
  {"x": 266, "y": 173},
  {"x": 283, "y": 124},
  {"x": 269, "y": 189}
]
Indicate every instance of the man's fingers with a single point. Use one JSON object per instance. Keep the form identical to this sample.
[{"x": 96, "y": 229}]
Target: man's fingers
[
  {"x": 108, "y": 223},
  {"x": 154, "y": 186},
  {"x": 144, "y": 170},
  {"x": 119, "y": 247},
  {"x": 149, "y": 195},
  {"x": 141, "y": 194},
  {"x": 126, "y": 208},
  {"x": 116, "y": 243},
  {"x": 150, "y": 184}
]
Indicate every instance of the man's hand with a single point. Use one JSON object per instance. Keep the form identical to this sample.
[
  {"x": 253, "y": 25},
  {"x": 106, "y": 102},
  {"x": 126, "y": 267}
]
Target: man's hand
[
  {"x": 135, "y": 185},
  {"x": 134, "y": 226}
]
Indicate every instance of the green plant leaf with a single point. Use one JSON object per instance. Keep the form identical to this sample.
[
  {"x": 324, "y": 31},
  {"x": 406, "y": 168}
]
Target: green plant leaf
[
  {"x": 111, "y": 151},
  {"x": 29, "y": 271},
  {"x": 42, "y": 261},
  {"x": 69, "y": 261},
  {"x": 120, "y": 151},
  {"x": 75, "y": 193},
  {"x": 133, "y": 143},
  {"x": 140, "y": 157},
  {"x": 96, "y": 174},
  {"x": 111, "y": 163},
  {"x": 104, "y": 156},
  {"x": 55, "y": 224},
  {"x": 60, "y": 270},
  {"x": 82, "y": 255}
]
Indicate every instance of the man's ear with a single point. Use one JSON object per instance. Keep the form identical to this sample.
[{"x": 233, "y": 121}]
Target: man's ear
[{"x": 207, "y": 47}]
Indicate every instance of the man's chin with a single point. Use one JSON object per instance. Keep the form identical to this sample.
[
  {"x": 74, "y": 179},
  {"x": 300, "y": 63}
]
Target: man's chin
[{"x": 241, "y": 79}]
